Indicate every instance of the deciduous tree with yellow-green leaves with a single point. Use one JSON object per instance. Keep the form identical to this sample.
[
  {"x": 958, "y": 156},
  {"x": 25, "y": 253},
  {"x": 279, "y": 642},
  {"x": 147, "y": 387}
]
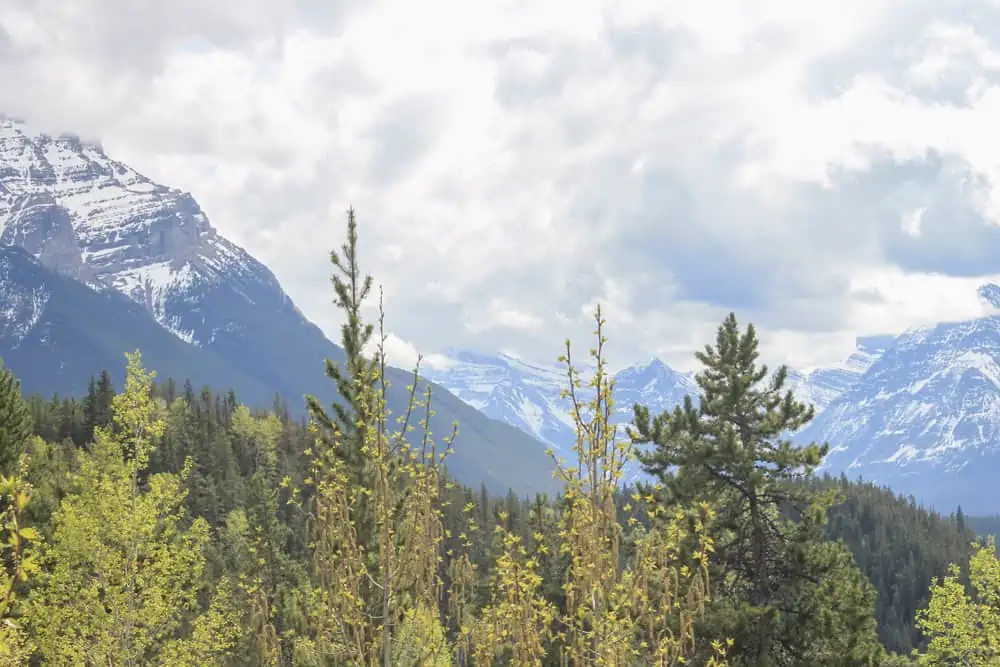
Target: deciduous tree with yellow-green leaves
[
  {"x": 125, "y": 566},
  {"x": 375, "y": 527},
  {"x": 618, "y": 608},
  {"x": 17, "y": 565},
  {"x": 964, "y": 629},
  {"x": 374, "y": 507}
]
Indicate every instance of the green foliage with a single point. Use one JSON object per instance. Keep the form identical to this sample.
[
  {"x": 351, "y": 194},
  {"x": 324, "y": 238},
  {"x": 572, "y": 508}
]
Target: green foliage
[
  {"x": 770, "y": 567},
  {"x": 900, "y": 547},
  {"x": 965, "y": 629},
  {"x": 17, "y": 565},
  {"x": 375, "y": 521},
  {"x": 123, "y": 570},
  {"x": 421, "y": 641}
]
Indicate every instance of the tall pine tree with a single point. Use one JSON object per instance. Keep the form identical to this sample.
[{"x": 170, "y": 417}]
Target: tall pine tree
[{"x": 769, "y": 570}]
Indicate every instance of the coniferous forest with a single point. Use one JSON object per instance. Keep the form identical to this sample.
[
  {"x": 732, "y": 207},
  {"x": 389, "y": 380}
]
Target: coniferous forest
[{"x": 154, "y": 523}]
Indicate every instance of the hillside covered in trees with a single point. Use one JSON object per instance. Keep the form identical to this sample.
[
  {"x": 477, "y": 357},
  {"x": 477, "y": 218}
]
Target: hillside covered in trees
[{"x": 157, "y": 524}]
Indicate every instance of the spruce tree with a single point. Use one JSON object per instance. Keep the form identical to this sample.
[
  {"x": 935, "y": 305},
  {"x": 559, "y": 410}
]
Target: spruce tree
[
  {"x": 729, "y": 449},
  {"x": 97, "y": 406},
  {"x": 15, "y": 421}
]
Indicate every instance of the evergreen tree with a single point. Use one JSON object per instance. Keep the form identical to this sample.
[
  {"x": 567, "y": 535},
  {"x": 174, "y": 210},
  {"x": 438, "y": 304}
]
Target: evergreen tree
[
  {"x": 729, "y": 451},
  {"x": 15, "y": 421},
  {"x": 97, "y": 408}
]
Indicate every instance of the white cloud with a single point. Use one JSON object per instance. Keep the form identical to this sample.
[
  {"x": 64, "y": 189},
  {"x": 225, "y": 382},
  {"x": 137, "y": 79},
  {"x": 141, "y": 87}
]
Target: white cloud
[{"x": 515, "y": 163}]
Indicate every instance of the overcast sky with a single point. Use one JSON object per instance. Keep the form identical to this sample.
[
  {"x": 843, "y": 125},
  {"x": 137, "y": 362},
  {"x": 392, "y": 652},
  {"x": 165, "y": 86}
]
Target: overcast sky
[{"x": 822, "y": 169}]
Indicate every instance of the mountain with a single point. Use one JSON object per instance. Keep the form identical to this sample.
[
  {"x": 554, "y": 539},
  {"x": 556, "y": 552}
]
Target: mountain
[
  {"x": 116, "y": 233},
  {"x": 821, "y": 386},
  {"x": 54, "y": 331},
  {"x": 925, "y": 418},
  {"x": 527, "y": 395}
]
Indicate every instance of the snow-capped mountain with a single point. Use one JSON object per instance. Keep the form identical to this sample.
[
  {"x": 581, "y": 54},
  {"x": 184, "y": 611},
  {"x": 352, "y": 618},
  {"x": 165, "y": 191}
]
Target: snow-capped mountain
[
  {"x": 157, "y": 265},
  {"x": 95, "y": 219},
  {"x": 528, "y": 396},
  {"x": 925, "y": 418}
]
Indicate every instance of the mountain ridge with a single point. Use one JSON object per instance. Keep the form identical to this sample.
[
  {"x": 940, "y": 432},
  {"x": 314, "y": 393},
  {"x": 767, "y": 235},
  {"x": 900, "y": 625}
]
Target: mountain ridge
[{"x": 847, "y": 396}]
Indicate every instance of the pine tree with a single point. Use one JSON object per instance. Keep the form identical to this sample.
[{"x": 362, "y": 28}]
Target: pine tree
[
  {"x": 730, "y": 450},
  {"x": 350, "y": 379},
  {"x": 15, "y": 421}
]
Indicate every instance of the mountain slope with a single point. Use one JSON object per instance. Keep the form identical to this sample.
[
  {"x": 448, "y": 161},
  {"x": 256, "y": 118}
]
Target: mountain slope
[
  {"x": 55, "y": 333},
  {"x": 527, "y": 395},
  {"x": 101, "y": 223},
  {"x": 821, "y": 386},
  {"x": 925, "y": 418}
]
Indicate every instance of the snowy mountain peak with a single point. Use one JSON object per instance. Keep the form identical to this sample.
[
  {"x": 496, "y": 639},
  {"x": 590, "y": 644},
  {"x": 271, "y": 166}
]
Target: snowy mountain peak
[
  {"x": 650, "y": 371},
  {"x": 100, "y": 221}
]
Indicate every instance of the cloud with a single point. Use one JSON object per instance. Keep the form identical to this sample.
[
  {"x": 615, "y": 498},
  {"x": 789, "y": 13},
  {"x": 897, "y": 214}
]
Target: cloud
[{"x": 517, "y": 163}]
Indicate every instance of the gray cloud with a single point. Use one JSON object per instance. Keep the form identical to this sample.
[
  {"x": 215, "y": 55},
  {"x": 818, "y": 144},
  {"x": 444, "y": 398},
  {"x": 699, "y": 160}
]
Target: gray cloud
[{"x": 508, "y": 174}]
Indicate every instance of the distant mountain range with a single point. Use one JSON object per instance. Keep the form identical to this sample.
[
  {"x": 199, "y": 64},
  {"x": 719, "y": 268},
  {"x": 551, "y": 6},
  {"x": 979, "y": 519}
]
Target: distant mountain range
[
  {"x": 97, "y": 260},
  {"x": 919, "y": 412}
]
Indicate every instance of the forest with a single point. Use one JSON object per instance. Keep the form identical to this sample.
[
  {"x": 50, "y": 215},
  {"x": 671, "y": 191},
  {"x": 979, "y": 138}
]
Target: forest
[{"x": 159, "y": 524}]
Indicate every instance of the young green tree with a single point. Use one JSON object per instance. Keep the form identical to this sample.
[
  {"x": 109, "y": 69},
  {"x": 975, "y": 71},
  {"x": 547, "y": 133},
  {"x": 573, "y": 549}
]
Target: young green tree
[
  {"x": 614, "y": 610},
  {"x": 17, "y": 565},
  {"x": 124, "y": 567},
  {"x": 769, "y": 571},
  {"x": 374, "y": 510},
  {"x": 964, "y": 629}
]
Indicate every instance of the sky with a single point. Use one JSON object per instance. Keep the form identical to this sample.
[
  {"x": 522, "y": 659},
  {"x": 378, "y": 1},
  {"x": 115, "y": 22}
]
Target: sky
[{"x": 823, "y": 170}]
